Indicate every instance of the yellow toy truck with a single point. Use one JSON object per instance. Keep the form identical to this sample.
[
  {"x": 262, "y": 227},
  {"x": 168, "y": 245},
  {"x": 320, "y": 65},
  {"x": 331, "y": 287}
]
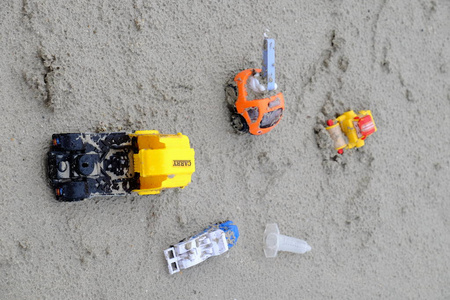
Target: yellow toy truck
[
  {"x": 83, "y": 165},
  {"x": 356, "y": 128}
]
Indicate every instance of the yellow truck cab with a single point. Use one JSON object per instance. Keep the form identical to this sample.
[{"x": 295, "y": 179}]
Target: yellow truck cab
[{"x": 162, "y": 161}]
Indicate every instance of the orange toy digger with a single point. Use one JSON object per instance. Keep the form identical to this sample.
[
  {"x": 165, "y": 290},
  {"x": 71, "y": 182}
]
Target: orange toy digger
[{"x": 257, "y": 108}]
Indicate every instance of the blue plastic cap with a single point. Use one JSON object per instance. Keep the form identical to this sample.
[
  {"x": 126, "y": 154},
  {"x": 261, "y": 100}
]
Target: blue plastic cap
[{"x": 231, "y": 232}]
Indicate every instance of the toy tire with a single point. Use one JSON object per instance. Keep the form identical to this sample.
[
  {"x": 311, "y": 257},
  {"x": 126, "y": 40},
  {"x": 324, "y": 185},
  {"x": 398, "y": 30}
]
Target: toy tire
[
  {"x": 238, "y": 122},
  {"x": 69, "y": 142},
  {"x": 231, "y": 94},
  {"x": 74, "y": 191}
]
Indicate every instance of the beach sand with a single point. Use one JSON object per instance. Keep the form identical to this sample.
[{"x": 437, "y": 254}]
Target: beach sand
[{"x": 377, "y": 218}]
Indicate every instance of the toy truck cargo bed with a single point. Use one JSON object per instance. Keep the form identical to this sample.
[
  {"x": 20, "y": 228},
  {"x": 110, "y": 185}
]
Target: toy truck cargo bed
[
  {"x": 213, "y": 241},
  {"x": 83, "y": 165}
]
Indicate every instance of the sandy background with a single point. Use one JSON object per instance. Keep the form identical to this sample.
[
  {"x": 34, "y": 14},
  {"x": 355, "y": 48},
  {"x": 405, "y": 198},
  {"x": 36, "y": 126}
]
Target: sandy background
[{"x": 378, "y": 218}]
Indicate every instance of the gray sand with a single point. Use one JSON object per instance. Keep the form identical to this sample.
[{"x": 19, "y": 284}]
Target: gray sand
[{"x": 377, "y": 218}]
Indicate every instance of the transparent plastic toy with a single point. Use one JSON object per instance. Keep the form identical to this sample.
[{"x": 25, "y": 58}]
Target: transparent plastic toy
[{"x": 274, "y": 242}]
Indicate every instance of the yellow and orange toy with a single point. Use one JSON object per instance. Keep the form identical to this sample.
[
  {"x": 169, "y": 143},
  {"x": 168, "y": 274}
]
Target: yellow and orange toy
[
  {"x": 253, "y": 114},
  {"x": 84, "y": 165},
  {"x": 356, "y": 127}
]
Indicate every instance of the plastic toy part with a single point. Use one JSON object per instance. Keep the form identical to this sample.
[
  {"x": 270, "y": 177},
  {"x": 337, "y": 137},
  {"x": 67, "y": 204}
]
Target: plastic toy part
[
  {"x": 268, "y": 69},
  {"x": 255, "y": 85},
  {"x": 252, "y": 114},
  {"x": 213, "y": 241},
  {"x": 274, "y": 242},
  {"x": 256, "y": 106},
  {"x": 349, "y": 130},
  {"x": 82, "y": 165}
]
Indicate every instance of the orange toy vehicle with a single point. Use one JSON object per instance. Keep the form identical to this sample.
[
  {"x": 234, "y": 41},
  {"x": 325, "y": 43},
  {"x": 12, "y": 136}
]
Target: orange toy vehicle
[{"x": 253, "y": 114}]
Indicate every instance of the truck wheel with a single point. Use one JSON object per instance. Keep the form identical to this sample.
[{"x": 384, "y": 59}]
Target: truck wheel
[
  {"x": 231, "y": 94},
  {"x": 238, "y": 122},
  {"x": 72, "y": 191},
  {"x": 68, "y": 142}
]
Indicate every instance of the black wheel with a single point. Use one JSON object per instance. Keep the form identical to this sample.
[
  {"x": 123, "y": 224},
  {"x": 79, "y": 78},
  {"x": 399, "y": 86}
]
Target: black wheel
[
  {"x": 238, "y": 122},
  {"x": 231, "y": 93},
  {"x": 72, "y": 191},
  {"x": 68, "y": 142}
]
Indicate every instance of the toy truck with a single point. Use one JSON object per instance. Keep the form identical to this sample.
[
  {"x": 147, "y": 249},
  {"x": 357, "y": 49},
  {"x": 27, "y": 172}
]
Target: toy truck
[
  {"x": 356, "y": 129},
  {"x": 214, "y": 240},
  {"x": 256, "y": 106},
  {"x": 83, "y": 165}
]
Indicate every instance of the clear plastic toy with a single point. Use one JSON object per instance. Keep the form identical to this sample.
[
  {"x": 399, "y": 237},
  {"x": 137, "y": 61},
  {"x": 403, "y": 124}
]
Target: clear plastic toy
[{"x": 274, "y": 242}]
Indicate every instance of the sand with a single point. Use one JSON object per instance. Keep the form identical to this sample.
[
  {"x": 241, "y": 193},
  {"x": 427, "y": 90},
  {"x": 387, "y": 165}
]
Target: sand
[{"x": 377, "y": 218}]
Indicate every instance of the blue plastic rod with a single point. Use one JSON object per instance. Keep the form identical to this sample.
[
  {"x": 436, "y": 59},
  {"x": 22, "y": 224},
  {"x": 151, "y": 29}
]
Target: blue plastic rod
[{"x": 268, "y": 70}]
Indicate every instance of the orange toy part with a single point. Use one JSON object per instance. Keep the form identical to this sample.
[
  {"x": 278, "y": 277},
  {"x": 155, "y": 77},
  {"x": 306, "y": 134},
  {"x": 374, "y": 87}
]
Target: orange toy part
[{"x": 261, "y": 115}]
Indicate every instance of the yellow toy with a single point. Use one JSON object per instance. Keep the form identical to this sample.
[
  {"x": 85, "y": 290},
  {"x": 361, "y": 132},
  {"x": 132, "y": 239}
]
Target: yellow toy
[
  {"x": 355, "y": 127},
  {"x": 163, "y": 161},
  {"x": 83, "y": 165}
]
